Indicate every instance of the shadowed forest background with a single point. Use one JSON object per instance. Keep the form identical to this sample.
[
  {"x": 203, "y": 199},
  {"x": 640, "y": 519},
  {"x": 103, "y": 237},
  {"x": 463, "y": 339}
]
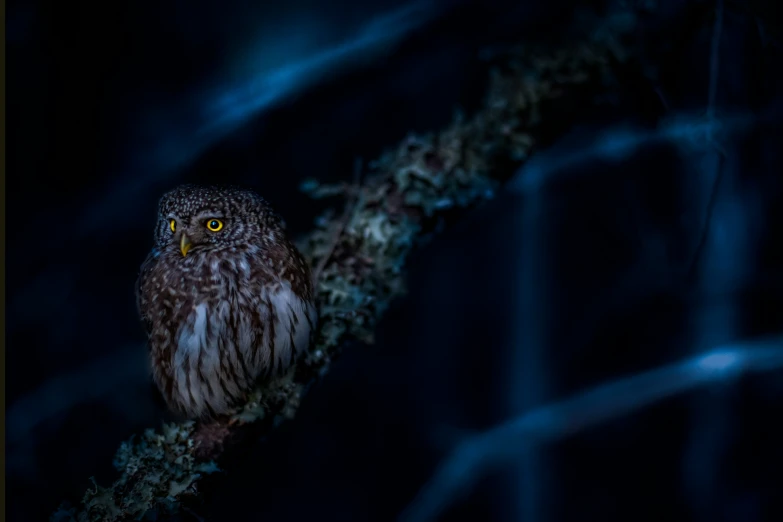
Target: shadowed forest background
[{"x": 613, "y": 260}]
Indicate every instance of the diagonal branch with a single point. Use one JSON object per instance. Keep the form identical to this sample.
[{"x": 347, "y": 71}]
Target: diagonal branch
[
  {"x": 360, "y": 260},
  {"x": 586, "y": 410}
]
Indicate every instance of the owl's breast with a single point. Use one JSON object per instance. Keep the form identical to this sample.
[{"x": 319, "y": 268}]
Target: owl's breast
[{"x": 218, "y": 328}]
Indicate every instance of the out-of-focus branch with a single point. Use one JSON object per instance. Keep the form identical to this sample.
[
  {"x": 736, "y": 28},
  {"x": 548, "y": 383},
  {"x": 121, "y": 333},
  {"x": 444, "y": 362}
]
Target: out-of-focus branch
[
  {"x": 584, "y": 411},
  {"x": 711, "y": 97}
]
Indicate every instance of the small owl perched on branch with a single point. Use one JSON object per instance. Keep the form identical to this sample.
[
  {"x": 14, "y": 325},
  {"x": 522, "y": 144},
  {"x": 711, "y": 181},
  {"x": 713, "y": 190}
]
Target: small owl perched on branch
[{"x": 225, "y": 297}]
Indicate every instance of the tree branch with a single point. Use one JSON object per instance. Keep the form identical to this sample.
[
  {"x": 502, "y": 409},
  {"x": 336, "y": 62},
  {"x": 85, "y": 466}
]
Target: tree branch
[
  {"x": 360, "y": 258},
  {"x": 562, "y": 419},
  {"x": 710, "y": 115}
]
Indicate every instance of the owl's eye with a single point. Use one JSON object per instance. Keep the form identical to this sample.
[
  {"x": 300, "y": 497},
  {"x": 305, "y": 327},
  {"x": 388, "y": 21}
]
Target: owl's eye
[
  {"x": 173, "y": 225},
  {"x": 214, "y": 225}
]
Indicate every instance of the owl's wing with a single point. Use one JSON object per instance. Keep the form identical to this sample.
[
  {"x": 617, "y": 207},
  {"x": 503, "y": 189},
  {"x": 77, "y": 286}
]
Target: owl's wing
[{"x": 146, "y": 269}]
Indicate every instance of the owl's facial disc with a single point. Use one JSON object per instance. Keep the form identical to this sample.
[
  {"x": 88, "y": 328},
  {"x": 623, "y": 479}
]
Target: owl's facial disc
[{"x": 184, "y": 244}]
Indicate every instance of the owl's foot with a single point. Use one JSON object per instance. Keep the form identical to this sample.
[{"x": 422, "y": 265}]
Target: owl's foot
[{"x": 211, "y": 437}]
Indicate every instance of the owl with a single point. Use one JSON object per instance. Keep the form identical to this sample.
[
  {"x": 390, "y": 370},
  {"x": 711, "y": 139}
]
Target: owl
[{"x": 225, "y": 297}]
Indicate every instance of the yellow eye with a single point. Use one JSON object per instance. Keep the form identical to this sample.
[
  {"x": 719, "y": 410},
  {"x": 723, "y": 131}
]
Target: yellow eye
[
  {"x": 214, "y": 225},
  {"x": 173, "y": 225}
]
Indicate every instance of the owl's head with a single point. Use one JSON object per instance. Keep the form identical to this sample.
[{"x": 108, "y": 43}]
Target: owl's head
[{"x": 194, "y": 219}]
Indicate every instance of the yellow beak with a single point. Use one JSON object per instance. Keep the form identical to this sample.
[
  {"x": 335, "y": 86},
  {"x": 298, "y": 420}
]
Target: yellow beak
[{"x": 184, "y": 245}]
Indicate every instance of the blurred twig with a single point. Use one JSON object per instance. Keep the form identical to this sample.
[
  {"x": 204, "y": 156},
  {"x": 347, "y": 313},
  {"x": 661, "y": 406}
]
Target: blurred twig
[
  {"x": 711, "y": 100},
  {"x": 584, "y": 411},
  {"x": 356, "y": 194}
]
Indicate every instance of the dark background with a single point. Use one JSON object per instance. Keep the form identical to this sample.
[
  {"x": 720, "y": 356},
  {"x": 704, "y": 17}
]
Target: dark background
[{"x": 109, "y": 104}]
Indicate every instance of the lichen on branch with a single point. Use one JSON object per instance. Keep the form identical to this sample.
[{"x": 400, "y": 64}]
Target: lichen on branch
[{"x": 400, "y": 200}]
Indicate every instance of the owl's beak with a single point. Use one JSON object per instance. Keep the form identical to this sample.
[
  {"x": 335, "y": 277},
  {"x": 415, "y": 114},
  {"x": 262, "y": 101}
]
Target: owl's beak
[{"x": 184, "y": 245}]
